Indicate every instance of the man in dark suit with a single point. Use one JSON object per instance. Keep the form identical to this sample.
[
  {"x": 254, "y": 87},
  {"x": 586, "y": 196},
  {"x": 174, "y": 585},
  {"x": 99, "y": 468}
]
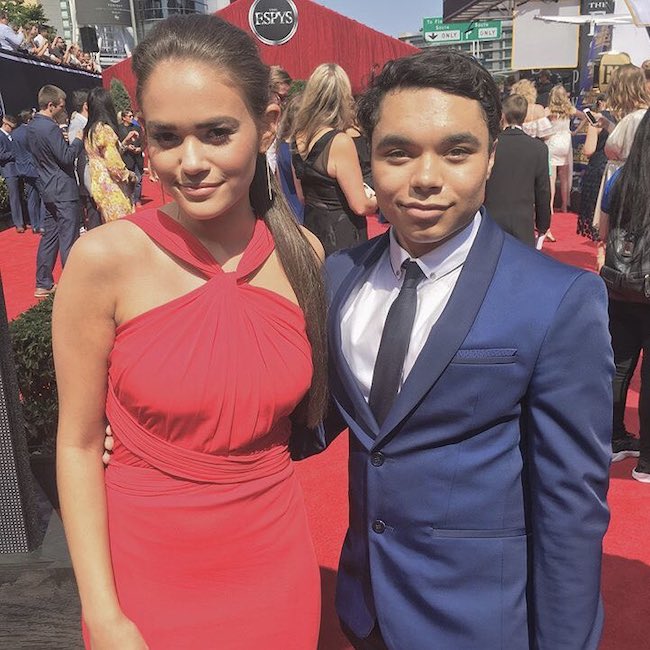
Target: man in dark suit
[
  {"x": 9, "y": 170},
  {"x": 28, "y": 172},
  {"x": 55, "y": 160},
  {"x": 132, "y": 153},
  {"x": 518, "y": 192},
  {"x": 474, "y": 376}
]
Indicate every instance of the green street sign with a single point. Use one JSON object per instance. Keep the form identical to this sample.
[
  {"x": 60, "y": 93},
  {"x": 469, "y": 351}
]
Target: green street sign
[{"x": 435, "y": 31}]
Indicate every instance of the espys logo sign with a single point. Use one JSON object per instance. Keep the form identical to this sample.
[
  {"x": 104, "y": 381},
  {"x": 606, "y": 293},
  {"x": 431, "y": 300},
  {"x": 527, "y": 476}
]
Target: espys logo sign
[{"x": 274, "y": 22}]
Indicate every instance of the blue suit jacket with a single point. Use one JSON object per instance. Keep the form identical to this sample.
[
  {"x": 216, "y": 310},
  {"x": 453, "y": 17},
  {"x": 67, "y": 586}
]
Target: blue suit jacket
[
  {"x": 54, "y": 158},
  {"x": 477, "y": 510},
  {"x": 7, "y": 157},
  {"x": 25, "y": 163}
]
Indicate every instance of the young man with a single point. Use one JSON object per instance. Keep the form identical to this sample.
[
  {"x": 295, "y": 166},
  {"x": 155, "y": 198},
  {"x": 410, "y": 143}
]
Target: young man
[
  {"x": 89, "y": 212},
  {"x": 475, "y": 376},
  {"x": 9, "y": 170},
  {"x": 55, "y": 160},
  {"x": 518, "y": 193},
  {"x": 132, "y": 153},
  {"x": 28, "y": 172}
]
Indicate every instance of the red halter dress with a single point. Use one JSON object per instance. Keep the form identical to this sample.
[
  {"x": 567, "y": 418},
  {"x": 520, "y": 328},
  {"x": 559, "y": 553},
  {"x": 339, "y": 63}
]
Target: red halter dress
[{"x": 208, "y": 533}]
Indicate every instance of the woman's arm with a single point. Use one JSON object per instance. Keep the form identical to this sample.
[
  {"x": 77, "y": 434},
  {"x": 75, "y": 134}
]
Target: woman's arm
[
  {"x": 83, "y": 331},
  {"x": 298, "y": 185},
  {"x": 603, "y": 231},
  {"x": 344, "y": 166},
  {"x": 591, "y": 141},
  {"x": 107, "y": 141}
]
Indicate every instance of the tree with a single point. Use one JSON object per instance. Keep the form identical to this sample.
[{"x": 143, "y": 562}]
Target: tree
[
  {"x": 20, "y": 13},
  {"x": 119, "y": 95}
]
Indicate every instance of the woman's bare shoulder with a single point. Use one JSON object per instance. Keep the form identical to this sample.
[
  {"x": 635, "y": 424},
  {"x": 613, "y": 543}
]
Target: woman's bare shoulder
[
  {"x": 315, "y": 243},
  {"x": 110, "y": 248}
]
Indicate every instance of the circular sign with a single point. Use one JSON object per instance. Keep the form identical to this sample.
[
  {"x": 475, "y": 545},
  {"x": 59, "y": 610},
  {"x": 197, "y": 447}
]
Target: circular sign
[{"x": 274, "y": 22}]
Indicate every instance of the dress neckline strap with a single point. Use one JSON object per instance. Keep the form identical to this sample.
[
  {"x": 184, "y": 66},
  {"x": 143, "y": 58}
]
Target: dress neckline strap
[{"x": 181, "y": 243}]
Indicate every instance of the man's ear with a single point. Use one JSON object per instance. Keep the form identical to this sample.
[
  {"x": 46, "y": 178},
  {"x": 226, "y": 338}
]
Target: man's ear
[
  {"x": 493, "y": 150},
  {"x": 270, "y": 123}
]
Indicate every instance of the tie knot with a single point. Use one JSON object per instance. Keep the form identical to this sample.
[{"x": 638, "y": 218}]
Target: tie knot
[{"x": 412, "y": 273}]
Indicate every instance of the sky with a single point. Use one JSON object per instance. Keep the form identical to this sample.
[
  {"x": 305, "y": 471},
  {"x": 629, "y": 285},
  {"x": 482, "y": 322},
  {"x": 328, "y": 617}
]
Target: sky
[{"x": 393, "y": 17}]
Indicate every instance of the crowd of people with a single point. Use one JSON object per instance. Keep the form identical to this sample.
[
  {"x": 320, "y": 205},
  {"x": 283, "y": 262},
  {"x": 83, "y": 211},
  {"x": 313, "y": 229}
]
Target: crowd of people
[
  {"x": 37, "y": 41},
  {"x": 212, "y": 351}
]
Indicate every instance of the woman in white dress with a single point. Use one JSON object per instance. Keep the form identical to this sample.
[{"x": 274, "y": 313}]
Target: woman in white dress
[{"x": 560, "y": 111}]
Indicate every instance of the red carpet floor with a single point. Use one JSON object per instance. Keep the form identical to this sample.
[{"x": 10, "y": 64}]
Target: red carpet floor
[{"x": 626, "y": 574}]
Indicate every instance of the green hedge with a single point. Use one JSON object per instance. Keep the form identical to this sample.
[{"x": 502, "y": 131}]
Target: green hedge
[
  {"x": 4, "y": 196},
  {"x": 31, "y": 337}
]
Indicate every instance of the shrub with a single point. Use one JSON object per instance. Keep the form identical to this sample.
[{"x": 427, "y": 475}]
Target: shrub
[
  {"x": 31, "y": 337},
  {"x": 119, "y": 95},
  {"x": 4, "y": 196}
]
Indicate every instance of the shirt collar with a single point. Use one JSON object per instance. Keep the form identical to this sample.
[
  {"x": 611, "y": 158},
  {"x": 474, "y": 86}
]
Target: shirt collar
[
  {"x": 514, "y": 126},
  {"x": 441, "y": 260}
]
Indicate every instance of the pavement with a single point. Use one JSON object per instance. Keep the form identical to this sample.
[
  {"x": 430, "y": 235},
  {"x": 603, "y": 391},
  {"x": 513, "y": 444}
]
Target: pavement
[{"x": 39, "y": 604}]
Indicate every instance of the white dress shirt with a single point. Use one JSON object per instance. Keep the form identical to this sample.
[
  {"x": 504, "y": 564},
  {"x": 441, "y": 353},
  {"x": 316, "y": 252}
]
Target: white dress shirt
[{"x": 366, "y": 309}]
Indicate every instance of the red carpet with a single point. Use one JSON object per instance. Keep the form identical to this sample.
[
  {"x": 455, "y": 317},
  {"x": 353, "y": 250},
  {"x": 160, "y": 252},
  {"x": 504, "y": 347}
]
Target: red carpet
[{"x": 626, "y": 574}]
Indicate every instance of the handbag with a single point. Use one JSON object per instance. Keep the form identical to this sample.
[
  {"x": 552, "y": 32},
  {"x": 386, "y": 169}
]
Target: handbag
[{"x": 627, "y": 265}]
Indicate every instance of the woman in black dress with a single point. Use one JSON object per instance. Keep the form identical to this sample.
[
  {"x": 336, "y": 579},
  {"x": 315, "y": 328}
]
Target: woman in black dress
[
  {"x": 594, "y": 149},
  {"x": 327, "y": 164}
]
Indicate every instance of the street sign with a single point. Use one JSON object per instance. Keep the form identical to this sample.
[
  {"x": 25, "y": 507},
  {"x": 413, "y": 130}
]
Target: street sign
[{"x": 435, "y": 31}]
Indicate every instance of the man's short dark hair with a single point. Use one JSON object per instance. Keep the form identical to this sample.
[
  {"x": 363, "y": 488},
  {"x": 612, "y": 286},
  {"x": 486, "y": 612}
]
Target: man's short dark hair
[
  {"x": 446, "y": 70},
  {"x": 3, "y": 15},
  {"x": 515, "y": 108},
  {"x": 78, "y": 98},
  {"x": 11, "y": 119}
]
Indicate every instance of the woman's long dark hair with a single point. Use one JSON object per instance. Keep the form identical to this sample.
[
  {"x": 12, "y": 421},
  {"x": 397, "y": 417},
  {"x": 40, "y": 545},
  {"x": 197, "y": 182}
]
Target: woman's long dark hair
[
  {"x": 630, "y": 197},
  {"x": 228, "y": 49},
  {"x": 100, "y": 111}
]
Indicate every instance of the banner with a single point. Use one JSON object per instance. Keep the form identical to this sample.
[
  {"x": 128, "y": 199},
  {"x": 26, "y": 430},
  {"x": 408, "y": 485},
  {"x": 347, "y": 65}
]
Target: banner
[{"x": 103, "y": 12}]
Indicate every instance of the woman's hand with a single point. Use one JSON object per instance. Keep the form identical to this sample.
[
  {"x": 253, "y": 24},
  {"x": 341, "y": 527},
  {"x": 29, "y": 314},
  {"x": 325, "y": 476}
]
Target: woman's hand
[
  {"x": 119, "y": 634},
  {"x": 108, "y": 445}
]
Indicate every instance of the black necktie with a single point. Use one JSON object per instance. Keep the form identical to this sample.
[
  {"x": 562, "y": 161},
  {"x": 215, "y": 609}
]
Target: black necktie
[{"x": 395, "y": 344}]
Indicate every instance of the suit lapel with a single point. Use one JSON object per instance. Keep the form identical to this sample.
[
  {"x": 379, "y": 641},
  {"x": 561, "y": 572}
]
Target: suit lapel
[
  {"x": 350, "y": 387},
  {"x": 452, "y": 327}
]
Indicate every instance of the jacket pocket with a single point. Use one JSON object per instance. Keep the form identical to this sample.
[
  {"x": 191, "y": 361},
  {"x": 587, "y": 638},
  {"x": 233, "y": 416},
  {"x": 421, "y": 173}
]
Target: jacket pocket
[
  {"x": 468, "y": 533},
  {"x": 485, "y": 355}
]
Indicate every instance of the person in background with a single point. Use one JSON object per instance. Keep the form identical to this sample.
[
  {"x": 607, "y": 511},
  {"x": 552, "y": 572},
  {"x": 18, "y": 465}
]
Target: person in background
[
  {"x": 594, "y": 150},
  {"x": 89, "y": 213},
  {"x": 28, "y": 171},
  {"x": 132, "y": 154},
  {"x": 9, "y": 170},
  {"x": 55, "y": 160},
  {"x": 645, "y": 66},
  {"x": 536, "y": 124},
  {"x": 627, "y": 101},
  {"x": 518, "y": 192},
  {"x": 286, "y": 174},
  {"x": 560, "y": 111},
  {"x": 544, "y": 85},
  {"x": 626, "y": 216},
  {"x": 41, "y": 40},
  {"x": 110, "y": 180},
  {"x": 280, "y": 84},
  {"x": 9, "y": 38},
  {"x": 57, "y": 50},
  {"x": 327, "y": 164}
]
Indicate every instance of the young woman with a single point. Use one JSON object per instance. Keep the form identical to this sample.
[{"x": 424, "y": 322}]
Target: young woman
[
  {"x": 560, "y": 111},
  {"x": 110, "y": 180},
  {"x": 326, "y": 161},
  {"x": 626, "y": 206},
  {"x": 199, "y": 330}
]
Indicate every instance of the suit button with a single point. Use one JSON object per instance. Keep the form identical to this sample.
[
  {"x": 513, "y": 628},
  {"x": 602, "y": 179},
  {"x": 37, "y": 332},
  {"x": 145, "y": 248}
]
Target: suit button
[
  {"x": 377, "y": 459},
  {"x": 378, "y": 526}
]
